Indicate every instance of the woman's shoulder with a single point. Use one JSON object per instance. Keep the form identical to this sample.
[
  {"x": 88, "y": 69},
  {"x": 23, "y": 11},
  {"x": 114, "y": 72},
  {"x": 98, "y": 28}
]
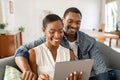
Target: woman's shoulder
[{"x": 39, "y": 46}]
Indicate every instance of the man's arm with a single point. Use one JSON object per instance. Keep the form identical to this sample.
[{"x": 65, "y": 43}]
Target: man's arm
[
  {"x": 99, "y": 63},
  {"x": 22, "y": 56},
  {"x": 23, "y": 50},
  {"x": 27, "y": 73}
]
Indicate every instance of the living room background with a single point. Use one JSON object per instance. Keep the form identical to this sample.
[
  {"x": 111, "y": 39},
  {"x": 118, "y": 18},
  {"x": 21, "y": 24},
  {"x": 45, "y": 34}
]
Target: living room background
[{"x": 29, "y": 13}]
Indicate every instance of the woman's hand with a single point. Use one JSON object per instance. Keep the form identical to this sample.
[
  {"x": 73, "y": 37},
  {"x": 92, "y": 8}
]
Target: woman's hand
[
  {"x": 29, "y": 75},
  {"x": 43, "y": 77},
  {"x": 75, "y": 76}
]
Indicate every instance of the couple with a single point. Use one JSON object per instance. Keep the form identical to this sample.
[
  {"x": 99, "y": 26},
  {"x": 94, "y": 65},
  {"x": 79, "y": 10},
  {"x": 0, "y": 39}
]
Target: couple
[{"x": 31, "y": 58}]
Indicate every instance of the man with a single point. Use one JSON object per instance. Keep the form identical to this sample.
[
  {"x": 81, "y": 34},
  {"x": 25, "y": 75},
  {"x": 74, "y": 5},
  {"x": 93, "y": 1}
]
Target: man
[{"x": 83, "y": 46}]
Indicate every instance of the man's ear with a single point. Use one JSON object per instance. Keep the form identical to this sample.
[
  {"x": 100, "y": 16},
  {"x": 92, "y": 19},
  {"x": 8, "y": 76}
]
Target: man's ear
[
  {"x": 62, "y": 19},
  {"x": 43, "y": 29}
]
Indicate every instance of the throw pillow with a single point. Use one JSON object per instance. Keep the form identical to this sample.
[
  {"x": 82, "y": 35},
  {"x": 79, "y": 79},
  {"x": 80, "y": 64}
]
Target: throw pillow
[{"x": 12, "y": 73}]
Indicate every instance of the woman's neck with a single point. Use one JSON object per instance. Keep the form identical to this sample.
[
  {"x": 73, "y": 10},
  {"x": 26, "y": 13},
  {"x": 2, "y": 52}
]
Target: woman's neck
[
  {"x": 51, "y": 47},
  {"x": 53, "y": 50}
]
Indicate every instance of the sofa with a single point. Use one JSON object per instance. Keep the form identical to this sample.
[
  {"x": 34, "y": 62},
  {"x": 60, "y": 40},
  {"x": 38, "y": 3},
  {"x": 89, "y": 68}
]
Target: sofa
[{"x": 111, "y": 57}]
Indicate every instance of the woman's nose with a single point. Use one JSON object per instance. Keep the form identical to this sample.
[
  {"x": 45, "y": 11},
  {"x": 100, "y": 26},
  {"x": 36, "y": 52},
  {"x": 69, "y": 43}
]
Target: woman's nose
[{"x": 57, "y": 35}]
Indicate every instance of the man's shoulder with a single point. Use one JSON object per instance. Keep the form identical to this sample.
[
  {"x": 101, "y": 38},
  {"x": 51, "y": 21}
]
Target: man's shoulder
[{"x": 85, "y": 37}]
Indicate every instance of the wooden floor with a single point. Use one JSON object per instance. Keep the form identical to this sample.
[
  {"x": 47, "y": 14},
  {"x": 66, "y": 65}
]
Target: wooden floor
[{"x": 113, "y": 44}]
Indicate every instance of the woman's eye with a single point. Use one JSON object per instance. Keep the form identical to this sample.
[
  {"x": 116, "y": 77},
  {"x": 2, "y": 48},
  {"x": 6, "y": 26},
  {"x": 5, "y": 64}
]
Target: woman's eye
[{"x": 61, "y": 31}]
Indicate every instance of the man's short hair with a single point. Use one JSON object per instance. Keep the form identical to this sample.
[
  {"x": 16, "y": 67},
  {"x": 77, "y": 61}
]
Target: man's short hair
[{"x": 72, "y": 9}]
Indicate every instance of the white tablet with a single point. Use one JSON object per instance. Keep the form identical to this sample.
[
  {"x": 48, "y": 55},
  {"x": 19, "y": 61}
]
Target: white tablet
[{"x": 63, "y": 69}]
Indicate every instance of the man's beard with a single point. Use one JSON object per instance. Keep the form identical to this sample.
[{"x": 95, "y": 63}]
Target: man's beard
[{"x": 72, "y": 31}]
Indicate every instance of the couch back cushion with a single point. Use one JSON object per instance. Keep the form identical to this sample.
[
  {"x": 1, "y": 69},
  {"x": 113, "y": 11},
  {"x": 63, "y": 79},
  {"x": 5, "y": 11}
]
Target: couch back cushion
[{"x": 111, "y": 56}]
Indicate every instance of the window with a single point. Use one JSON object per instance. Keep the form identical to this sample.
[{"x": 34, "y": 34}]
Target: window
[{"x": 111, "y": 16}]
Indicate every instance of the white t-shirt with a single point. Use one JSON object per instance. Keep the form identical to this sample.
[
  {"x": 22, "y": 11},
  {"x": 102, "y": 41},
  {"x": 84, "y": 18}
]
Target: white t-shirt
[
  {"x": 44, "y": 59},
  {"x": 74, "y": 47}
]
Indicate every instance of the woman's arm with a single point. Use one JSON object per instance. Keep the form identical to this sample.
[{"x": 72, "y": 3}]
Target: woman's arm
[{"x": 32, "y": 60}]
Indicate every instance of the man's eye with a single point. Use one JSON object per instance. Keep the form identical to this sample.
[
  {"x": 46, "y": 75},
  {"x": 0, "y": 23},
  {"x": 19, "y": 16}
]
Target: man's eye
[
  {"x": 51, "y": 32},
  {"x": 78, "y": 23},
  {"x": 69, "y": 21}
]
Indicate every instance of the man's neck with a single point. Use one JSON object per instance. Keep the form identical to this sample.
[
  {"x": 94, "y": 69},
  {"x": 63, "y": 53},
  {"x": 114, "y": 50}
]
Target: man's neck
[{"x": 71, "y": 38}]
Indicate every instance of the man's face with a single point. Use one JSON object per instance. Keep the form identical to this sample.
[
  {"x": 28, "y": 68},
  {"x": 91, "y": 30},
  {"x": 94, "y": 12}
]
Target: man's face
[{"x": 72, "y": 23}]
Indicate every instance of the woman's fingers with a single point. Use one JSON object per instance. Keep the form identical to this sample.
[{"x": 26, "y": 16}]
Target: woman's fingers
[
  {"x": 71, "y": 76},
  {"x": 75, "y": 76},
  {"x": 80, "y": 76},
  {"x": 43, "y": 77},
  {"x": 28, "y": 75}
]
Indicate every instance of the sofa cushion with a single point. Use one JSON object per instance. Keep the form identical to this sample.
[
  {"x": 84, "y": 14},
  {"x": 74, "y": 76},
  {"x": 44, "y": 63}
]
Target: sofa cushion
[
  {"x": 12, "y": 73},
  {"x": 111, "y": 56},
  {"x": 6, "y": 61}
]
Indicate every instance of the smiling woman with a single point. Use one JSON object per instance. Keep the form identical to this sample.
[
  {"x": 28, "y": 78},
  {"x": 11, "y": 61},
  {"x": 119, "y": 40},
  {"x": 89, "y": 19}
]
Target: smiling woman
[{"x": 43, "y": 57}]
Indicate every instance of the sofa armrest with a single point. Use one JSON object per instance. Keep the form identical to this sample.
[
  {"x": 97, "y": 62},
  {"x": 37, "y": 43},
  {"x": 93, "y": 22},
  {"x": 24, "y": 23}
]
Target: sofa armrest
[
  {"x": 111, "y": 56},
  {"x": 6, "y": 61}
]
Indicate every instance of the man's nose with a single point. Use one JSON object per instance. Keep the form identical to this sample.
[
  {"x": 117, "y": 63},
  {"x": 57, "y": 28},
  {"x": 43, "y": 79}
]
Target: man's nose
[{"x": 74, "y": 25}]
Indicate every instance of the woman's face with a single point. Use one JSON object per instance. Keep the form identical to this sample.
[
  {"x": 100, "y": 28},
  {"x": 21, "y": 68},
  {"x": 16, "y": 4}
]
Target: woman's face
[{"x": 54, "y": 33}]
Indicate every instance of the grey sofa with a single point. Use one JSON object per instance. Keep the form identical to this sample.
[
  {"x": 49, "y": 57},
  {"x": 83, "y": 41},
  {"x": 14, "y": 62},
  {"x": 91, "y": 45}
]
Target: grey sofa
[
  {"x": 112, "y": 59},
  {"x": 6, "y": 61}
]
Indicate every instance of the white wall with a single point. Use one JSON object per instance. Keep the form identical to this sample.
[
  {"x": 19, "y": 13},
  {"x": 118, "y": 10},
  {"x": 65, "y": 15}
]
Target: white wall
[
  {"x": 29, "y": 13},
  {"x": 1, "y": 18},
  {"x": 6, "y": 16}
]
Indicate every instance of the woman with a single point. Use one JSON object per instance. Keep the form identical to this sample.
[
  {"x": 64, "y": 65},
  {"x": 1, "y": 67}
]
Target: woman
[{"x": 43, "y": 57}]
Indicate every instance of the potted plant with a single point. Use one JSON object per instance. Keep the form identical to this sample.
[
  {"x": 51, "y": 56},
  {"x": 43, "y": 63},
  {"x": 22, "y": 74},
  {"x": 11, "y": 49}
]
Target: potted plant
[
  {"x": 2, "y": 28},
  {"x": 2, "y": 25},
  {"x": 21, "y": 28}
]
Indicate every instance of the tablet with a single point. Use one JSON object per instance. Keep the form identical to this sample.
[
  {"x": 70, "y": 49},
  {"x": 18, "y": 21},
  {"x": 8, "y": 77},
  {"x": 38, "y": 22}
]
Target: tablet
[{"x": 63, "y": 69}]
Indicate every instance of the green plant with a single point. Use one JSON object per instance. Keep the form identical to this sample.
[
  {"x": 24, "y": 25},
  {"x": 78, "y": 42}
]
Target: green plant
[
  {"x": 21, "y": 29},
  {"x": 2, "y": 25}
]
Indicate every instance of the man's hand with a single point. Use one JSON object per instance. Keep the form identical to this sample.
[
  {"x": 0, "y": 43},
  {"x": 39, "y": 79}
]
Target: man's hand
[
  {"x": 43, "y": 77},
  {"x": 29, "y": 75},
  {"x": 75, "y": 76}
]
